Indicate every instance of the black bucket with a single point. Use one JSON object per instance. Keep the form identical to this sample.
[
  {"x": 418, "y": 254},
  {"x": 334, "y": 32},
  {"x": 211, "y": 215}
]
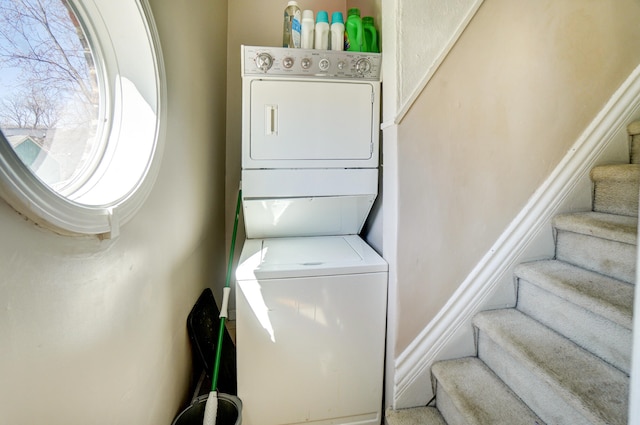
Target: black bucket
[{"x": 229, "y": 411}]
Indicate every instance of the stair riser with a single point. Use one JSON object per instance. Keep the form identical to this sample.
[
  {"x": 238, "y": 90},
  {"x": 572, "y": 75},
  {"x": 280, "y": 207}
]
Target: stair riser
[
  {"x": 447, "y": 408},
  {"x": 603, "y": 256},
  {"x": 615, "y": 197},
  {"x": 529, "y": 386},
  {"x": 415, "y": 416},
  {"x": 604, "y": 338},
  {"x": 635, "y": 149}
]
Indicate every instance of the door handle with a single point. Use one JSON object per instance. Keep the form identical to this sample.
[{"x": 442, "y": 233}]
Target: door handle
[{"x": 271, "y": 120}]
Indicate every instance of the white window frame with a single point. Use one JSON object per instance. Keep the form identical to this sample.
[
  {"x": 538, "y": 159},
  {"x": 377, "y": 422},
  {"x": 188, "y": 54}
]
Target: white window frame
[{"x": 128, "y": 57}]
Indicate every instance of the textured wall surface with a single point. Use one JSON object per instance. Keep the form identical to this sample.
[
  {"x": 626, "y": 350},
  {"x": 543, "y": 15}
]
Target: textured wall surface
[{"x": 425, "y": 32}]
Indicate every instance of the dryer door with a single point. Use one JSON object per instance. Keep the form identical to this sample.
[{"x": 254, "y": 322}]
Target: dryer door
[{"x": 306, "y": 124}]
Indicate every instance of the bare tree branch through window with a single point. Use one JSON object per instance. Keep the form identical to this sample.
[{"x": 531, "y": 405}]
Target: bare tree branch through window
[{"x": 48, "y": 82}]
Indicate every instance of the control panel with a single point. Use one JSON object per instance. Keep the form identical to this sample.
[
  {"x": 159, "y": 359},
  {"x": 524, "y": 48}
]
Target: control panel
[{"x": 279, "y": 61}]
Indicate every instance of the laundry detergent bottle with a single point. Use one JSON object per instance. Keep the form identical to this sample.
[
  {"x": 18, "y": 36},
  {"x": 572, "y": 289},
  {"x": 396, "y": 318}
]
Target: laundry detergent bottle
[
  {"x": 292, "y": 25},
  {"x": 337, "y": 31},
  {"x": 370, "y": 35},
  {"x": 354, "y": 36},
  {"x": 322, "y": 30},
  {"x": 307, "y": 33}
]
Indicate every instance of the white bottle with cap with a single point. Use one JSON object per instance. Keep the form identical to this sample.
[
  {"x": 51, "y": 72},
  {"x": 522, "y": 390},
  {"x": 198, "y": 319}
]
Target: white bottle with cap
[
  {"x": 307, "y": 33},
  {"x": 322, "y": 30},
  {"x": 337, "y": 31}
]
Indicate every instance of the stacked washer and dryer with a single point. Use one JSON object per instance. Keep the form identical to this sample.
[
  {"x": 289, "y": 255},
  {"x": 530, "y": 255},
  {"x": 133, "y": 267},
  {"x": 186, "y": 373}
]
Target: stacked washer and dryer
[{"x": 310, "y": 293}]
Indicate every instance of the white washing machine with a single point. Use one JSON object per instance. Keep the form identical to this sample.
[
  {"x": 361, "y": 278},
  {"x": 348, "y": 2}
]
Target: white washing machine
[{"x": 310, "y": 293}]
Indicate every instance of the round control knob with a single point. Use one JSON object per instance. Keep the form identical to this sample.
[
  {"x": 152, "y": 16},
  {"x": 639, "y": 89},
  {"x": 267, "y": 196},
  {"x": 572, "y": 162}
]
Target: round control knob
[
  {"x": 305, "y": 63},
  {"x": 324, "y": 64},
  {"x": 363, "y": 66},
  {"x": 287, "y": 62},
  {"x": 341, "y": 65},
  {"x": 264, "y": 61}
]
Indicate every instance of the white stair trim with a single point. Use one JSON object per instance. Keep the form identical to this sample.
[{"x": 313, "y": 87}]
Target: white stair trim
[{"x": 412, "y": 377}]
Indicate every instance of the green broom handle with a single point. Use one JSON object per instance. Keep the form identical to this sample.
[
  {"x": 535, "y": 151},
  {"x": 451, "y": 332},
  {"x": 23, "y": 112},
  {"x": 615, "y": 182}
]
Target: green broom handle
[{"x": 216, "y": 365}]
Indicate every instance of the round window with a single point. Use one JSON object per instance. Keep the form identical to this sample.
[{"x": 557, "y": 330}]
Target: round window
[{"x": 80, "y": 111}]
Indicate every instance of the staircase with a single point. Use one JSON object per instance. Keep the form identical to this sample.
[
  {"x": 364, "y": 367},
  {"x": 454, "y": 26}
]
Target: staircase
[{"x": 562, "y": 355}]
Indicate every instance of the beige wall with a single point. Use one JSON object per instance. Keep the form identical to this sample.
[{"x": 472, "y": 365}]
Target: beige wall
[
  {"x": 93, "y": 332},
  {"x": 515, "y": 93}
]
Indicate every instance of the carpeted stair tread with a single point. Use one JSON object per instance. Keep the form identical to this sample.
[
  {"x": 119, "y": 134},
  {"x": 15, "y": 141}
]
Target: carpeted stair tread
[
  {"x": 415, "y": 416},
  {"x": 612, "y": 227},
  {"x": 571, "y": 376},
  {"x": 473, "y": 395},
  {"x": 604, "y": 296}
]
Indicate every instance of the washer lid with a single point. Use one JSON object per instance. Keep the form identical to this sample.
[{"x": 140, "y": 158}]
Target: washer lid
[{"x": 307, "y": 256}]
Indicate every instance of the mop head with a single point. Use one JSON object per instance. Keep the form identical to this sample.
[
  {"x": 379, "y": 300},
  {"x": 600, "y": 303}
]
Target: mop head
[{"x": 211, "y": 409}]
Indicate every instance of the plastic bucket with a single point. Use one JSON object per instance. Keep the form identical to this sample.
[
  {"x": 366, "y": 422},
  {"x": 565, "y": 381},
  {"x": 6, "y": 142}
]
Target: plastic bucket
[{"x": 229, "y": 411}]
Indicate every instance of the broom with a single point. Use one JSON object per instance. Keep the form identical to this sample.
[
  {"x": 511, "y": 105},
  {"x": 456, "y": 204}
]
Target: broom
[{"x": 211, "y": 408}]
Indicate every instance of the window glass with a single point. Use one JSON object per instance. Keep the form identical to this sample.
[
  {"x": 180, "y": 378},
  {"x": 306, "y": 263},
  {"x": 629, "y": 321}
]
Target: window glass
[{"x": 49, "y": 93}]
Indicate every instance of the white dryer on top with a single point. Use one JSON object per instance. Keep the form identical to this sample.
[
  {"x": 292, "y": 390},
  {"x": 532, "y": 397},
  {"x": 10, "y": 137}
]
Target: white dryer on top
[{"x": 310, "y": 141}]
